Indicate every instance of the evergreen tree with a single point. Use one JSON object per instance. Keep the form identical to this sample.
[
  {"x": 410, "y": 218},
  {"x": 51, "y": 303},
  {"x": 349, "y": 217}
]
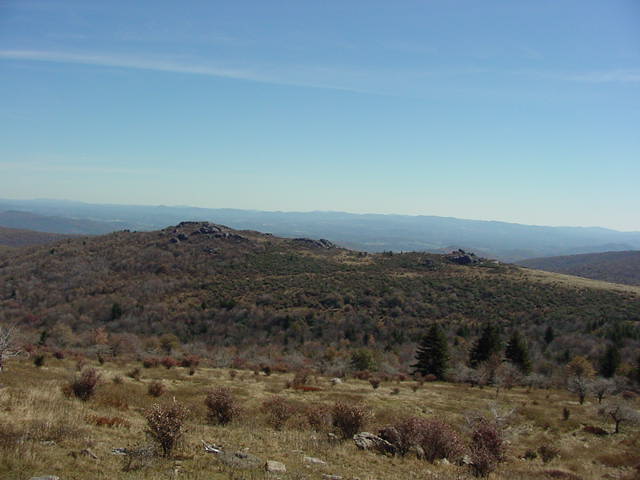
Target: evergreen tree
[
  {"x": 517, "y": 353},
  {"x": 549, "y": 335},
  {"x": 487, "y": 345},
  {"x": 610, "y": 361},
  {"x": 432, "y": 356}
]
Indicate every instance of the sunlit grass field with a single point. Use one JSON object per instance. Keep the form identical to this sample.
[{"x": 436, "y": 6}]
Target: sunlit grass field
[{"x": 42, "y": 432}]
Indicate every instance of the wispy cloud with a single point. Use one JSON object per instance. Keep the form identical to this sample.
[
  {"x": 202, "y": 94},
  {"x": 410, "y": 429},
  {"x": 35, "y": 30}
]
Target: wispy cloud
[
  {"x": 602, "y": 76},
  {"x": 167, "y": 65}
]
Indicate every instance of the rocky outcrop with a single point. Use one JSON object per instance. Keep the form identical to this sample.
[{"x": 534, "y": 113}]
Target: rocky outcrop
[
  {"x": 308, "y": 242},
  {"x": 369, "y": 441}
]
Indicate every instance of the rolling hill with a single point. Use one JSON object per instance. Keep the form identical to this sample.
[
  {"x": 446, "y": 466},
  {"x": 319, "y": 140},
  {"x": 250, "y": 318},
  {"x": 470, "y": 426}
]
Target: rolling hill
[
  {"x": 618, "y": 267},
  {"x": 11, "y": 237},
  {"x": 212, "y": 284}
]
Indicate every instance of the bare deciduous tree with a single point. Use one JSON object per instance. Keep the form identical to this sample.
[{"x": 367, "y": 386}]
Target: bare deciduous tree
[
  {"x": 8, "y": 345},
  {"x": 621, "y": 412}
]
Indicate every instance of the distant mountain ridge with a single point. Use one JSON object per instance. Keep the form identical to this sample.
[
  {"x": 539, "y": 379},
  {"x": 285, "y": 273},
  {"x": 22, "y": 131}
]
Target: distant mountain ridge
[
  {"x": 11, "y": 237},
  {"x": 368, "y": 232},
  {"x": 616, "y": 267}
]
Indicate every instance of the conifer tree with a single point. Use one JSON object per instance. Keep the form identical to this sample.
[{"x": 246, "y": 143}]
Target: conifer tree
[
  {"x": 610, "y": 361},
  {"x": 549, "y": 335},
  {"x": 517, "y": 353},
  {"x": 487, "y": 345},
  {"x": 432, "y": 356}
]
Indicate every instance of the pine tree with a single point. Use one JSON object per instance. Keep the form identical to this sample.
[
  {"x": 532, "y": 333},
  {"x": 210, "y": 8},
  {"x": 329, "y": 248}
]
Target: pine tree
[
  {"x": 432, "y": 356},
  {"x": 610, "y": 361},
  {"x": 549, "y": 335},
  {"x": 517, "y": 353},
  {"x": 487, "y": 345}
]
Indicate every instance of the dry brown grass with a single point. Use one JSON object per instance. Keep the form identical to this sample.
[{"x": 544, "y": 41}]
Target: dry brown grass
[{"x": 42, "y": 432}]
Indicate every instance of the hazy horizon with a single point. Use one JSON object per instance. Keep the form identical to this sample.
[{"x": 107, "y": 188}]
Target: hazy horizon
[
  {"x": 501, "y": 111},
  {"x": 309, "y": 211}
]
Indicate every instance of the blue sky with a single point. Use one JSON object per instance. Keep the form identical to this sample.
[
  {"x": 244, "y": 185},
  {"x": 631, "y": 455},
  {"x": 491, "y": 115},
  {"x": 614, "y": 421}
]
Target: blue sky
[{"x": 522, "y": 111}]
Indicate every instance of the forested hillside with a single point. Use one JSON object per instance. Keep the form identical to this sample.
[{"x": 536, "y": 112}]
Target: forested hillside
[{"x": 214, "y": 286}]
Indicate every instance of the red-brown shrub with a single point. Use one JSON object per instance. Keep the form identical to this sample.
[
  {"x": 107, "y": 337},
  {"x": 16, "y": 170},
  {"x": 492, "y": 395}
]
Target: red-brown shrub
[
  {"x": 278, "y": 410},
  {"x": 83, "y": 386},
  {"x": 169, "y": 362},
  {"x": 349, "y": 419},
  {"x": 222, "y": 405},
  {"x": 156, "y": 389},
  {"x": 165, "y": 425},
  {"x": 150, "y": 362}
]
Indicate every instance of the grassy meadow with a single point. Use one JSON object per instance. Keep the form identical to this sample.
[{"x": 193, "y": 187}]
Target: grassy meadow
[{"x": 43, "y": 432}]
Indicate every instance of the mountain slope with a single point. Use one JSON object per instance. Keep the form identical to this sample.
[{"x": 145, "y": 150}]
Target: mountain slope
[
  {"x": 618, "y": 267},
  {"x": 11, "y": 237},
  {"x": 369, "y": 232},
  {"x": 224, "y": 287}
]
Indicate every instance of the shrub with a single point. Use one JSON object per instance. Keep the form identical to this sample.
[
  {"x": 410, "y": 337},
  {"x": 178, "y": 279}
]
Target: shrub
[
  {"x": 165, "y": 425},
  {"x": 300, "y": 378},
  {"x": 278, "y": 411},
  {"x": 349, "y": 419},
  {"x": 135, "y": 374},
  {"x": 530, "y": 455},
  {"x": 318, "y": 417},
  {"x": 169, "y": 362},
  {"x": 117, "y": 380},
  {"x": 156, "y": 389},
  {"x": 487, "y": 446},
  {"x": 190, "y": 361},
  {"x": 437, "y": 439},
  {"x": 375, "y": 383},
  {"x": 38, "y": 360},
  {"x": 83, "y": 386},
  {"x": 566, "y": 413},
  {"x": 222, "y": 405},
  {"x": 58, "y": 354},
  {"x": 150, "y": 362},
  {"x": 548, "y": 453}
]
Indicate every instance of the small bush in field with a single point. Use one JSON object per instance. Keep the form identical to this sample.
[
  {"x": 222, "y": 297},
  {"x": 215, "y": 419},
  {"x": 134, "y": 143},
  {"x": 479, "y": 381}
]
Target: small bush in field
[
  {"x": 395, "y": 391},
  {"x": 318, "y": 417},
  {"x": 375, "y": 383},
  {"x": 566, "y": 413},
  {"x": 83, "y": 386},
  {"x": 165, "y": 425},
  {"x": 349, "y": 419},
  {"x": 135, "y": 374},
  {"x": 190, "y": 361},
  {"x": 38, "y": 360},
  {"x": 429, "y": 377},
  {"x": 437, "y": 439},
  {"x": 233, "y": 374},
  {"x": 58, "y": 354},
  {"x": 487, "y": 446},
  {"x": 151, "y": 362},
  {"x": 300, "y": 379},
  {"x": 548, "y": 453},
  {"x": 192, "y": 371},
  {"x": 530, "y": 455},
  {"x": 117, "y": 380},
  {"x": 278, "y": 411},
  {"x": 156, "y": 389},
  {"x": 222, "y": 405},
  {"x": 169, "y": 362}
]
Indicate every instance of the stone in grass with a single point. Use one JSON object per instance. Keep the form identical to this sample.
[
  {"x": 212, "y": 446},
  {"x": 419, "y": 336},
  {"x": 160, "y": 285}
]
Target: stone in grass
[
  {"x": 46, "y": 477},
  {"x": 331, "y": 477},
  {"x": 275, "y": 467},
  {"x": 240, "y": 460},
  {"x": 314, "y": 460}
]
